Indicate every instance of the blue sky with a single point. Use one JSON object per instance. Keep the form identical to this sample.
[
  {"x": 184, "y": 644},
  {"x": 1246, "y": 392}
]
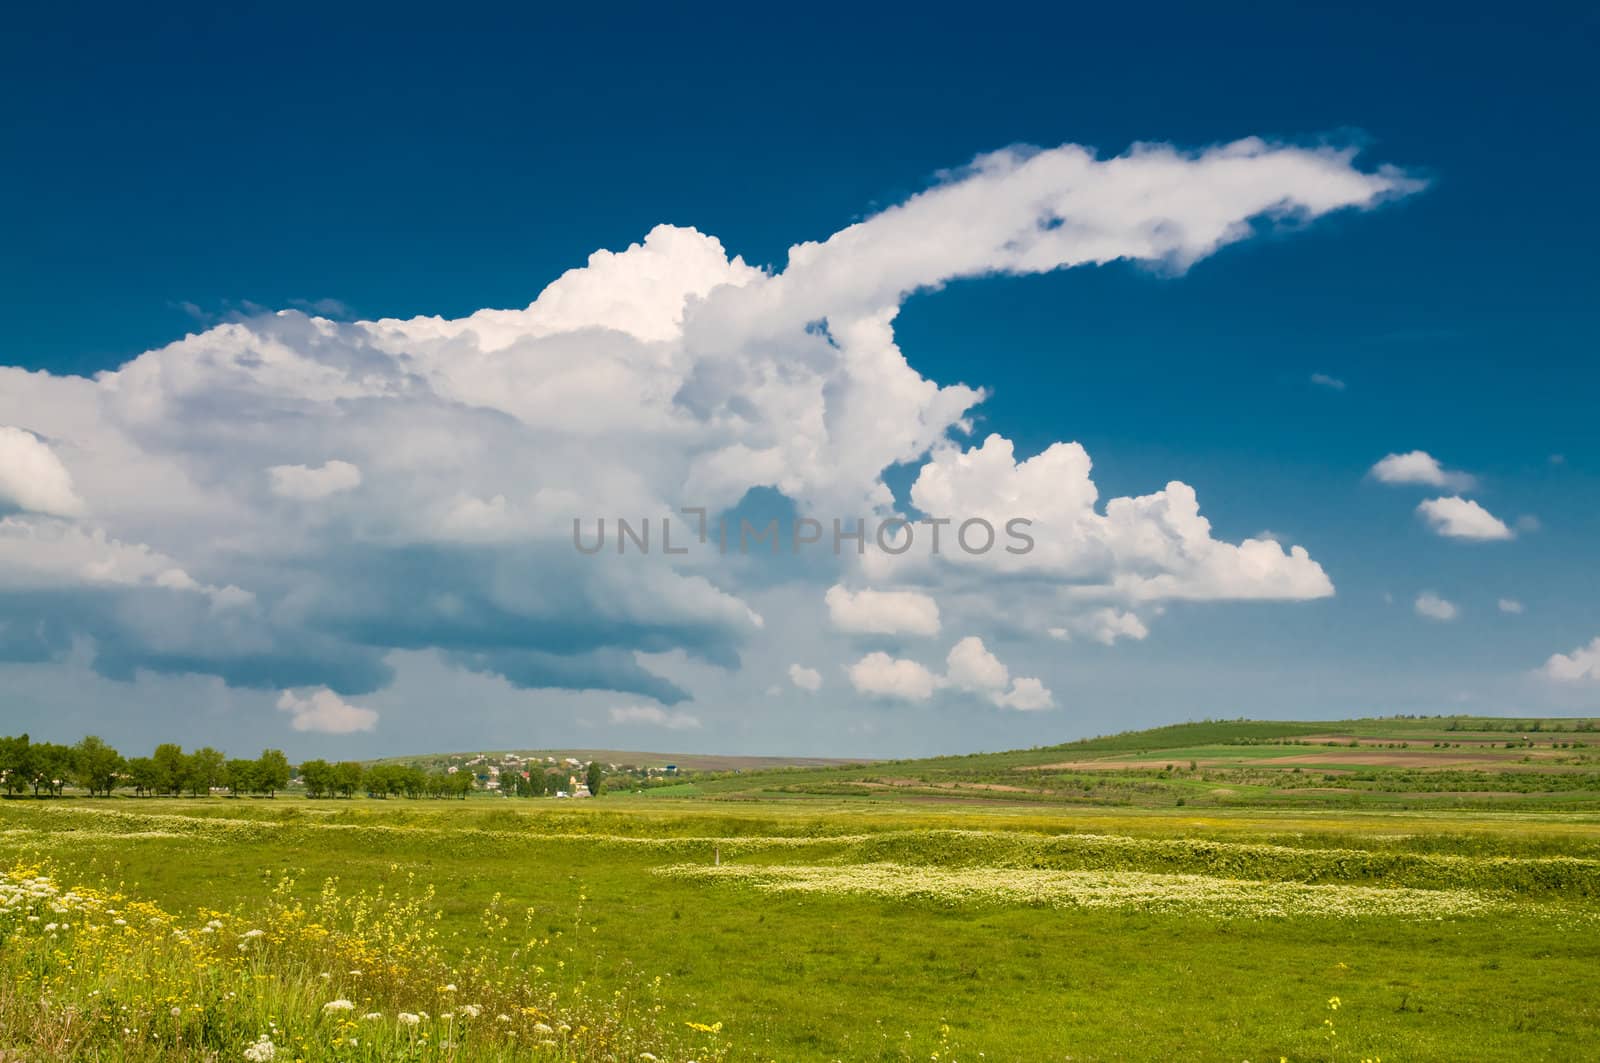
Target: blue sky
[{"x": 177, "y": 171}]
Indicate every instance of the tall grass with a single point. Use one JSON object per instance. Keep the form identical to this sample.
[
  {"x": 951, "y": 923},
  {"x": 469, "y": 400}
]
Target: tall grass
[{"x": 91, "y": 974}]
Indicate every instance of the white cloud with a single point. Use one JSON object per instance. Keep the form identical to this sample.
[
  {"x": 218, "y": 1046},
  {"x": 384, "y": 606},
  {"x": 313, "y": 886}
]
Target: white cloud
[
  {"x": 1026, "y": 695},
  {"x": 1433, "y": 607},
  {"x": 1579, "y": 666},
  {"x": 664, "y": 374},
  {"x": 1151, "y": 548},
  {"x": 807, "y": 679},
  {"x": 46, "y": 554},
  {"x": 972, "y": 668},
  {"x": 1460, "y": 518},
  {"x": 882, "y": 612},
  {"x": 883, "y": 676},
  {"x": 1323, "y": 380},
  {"x": 1420, "y": 467},
  {"x": 323, "y": 711},
  {"x": 307, "y": 484},
  {"x": 1510, "y": 605},
  {"x": 655, "y": 716},
  {"x": 32, "y": 478},
  {"x": 1105, "y": 626}
]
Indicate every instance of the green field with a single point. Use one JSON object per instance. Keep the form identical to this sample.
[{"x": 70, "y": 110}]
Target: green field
[{"x": 1438, "y": 879}]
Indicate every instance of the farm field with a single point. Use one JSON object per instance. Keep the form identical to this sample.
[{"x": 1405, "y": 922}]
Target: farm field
[{"x": 1441, "y": 910}]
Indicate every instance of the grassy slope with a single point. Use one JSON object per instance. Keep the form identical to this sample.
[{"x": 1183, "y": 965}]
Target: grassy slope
[{"x": 1432, "y": 762}]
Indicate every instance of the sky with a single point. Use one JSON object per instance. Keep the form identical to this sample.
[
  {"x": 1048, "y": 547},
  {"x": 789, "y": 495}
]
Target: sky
[{"x": 323, "y": 328}]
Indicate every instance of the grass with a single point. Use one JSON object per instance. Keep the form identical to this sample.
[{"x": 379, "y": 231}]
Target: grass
[{"x": 881, "y": 926}]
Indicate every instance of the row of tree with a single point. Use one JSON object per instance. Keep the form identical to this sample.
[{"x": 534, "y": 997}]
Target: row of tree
[
  {"x": 48, "y": 767},
  {"x": 322, "y": 779}
]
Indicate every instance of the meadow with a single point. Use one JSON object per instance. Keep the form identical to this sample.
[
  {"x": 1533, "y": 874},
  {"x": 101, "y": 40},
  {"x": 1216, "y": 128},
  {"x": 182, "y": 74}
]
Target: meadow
[{"x": 987, "y": 907}]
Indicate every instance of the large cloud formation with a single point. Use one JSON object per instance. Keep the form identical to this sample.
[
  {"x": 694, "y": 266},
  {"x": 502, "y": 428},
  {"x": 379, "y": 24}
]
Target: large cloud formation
[{"x": 284, "y": 501}]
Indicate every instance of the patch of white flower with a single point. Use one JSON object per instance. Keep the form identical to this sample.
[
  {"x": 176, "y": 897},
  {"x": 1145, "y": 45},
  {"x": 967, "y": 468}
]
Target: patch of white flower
[{"x": 263, "y": 1051}]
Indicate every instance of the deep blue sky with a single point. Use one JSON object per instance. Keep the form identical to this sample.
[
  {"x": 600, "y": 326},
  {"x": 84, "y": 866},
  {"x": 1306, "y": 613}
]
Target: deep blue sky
[
  {"x": 444, "y": 160},
  {"x": 461, "y": 157}
]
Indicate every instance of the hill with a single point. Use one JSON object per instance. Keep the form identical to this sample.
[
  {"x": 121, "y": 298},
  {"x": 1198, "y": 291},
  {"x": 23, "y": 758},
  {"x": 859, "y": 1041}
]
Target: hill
[{"x": 1407, "y": 762}]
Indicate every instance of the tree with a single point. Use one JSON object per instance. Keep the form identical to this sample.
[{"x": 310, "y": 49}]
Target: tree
[
  {"x": 16, "y": 764},
  {"x": 272, "y": 771},
  {"x": 52, "y": 766},
  {"x": 594, "y": 778},
  {"x": 172, "y": 768},
  {"x": 317, "y": 775},
  {"x": 205, "y": 768},
  {"x": 144, "y": 775},
  {"x": 241, "y": 776},
  {"x": 96, "y": 765},
  {"x": 413, "y": 781},
  {"x": 383, "y": 780},
  {"x": 347, "y": 777}
]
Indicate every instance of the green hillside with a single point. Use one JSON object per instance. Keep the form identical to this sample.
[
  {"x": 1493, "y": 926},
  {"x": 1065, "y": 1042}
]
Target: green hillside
[{"x": 1410, "y": 762}]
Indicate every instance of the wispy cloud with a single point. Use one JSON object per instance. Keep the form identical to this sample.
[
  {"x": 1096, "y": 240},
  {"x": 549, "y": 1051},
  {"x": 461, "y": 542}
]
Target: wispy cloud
[
  {"x": 1461, "y": 518},
  {"x": 1433, "y": 607},
  {"x": 655, "y": 716},
  {"x": 1420, "y": 467}
]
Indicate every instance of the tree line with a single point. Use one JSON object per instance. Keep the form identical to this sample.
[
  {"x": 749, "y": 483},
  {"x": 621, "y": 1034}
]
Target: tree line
[{"x": 49, "y": 767}]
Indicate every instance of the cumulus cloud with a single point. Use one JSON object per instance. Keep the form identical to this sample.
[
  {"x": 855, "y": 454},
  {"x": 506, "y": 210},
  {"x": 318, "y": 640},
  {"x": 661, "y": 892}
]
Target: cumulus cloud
[
  {"x": 882, "y": 612},
  {"x": 1420, "y": 467},
  {"x": 1027, "y": 694},
  {"x": 1147, "y": 549},
  {"x": 1461, "y": 518},
  {"x": 32, "y": 478},
  {"x": 1433, "y": 607},
  {"x": 665, "y": 374},
  {"x": 1580, "y": 666},
  {"x": 1104, "y": 626},
  {"x": 325, "y": 712},
  {"x": 307, "y": 484},
  {"x": 807, "y": 679},
  {"x": 879, "y": 675},
  {"x": 971, "y": 667},
  {"x": 655, "y": 716}
]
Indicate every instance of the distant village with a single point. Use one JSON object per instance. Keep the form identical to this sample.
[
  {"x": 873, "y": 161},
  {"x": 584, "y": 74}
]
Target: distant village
[{"x": 518, "y": 775}]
